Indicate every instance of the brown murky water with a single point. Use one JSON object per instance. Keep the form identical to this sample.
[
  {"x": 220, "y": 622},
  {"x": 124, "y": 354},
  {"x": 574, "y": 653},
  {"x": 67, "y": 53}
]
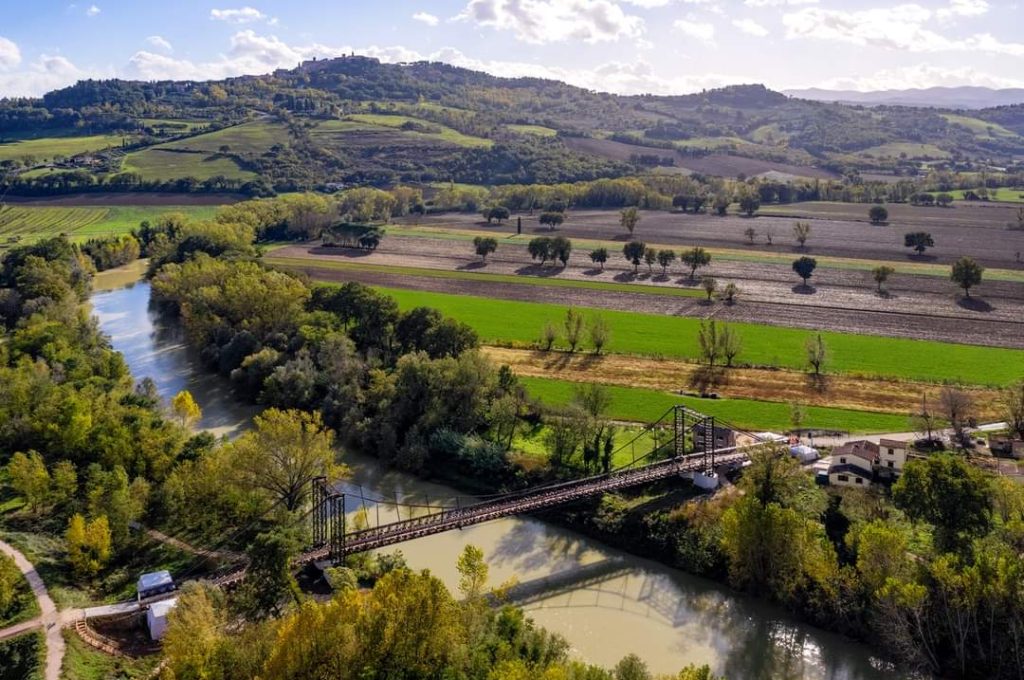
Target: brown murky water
[{"x": 605, "y": 602}]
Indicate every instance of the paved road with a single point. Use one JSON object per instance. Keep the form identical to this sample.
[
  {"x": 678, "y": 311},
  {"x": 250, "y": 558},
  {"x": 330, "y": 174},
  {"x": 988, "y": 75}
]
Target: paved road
[{"x": 50, "y": 619}]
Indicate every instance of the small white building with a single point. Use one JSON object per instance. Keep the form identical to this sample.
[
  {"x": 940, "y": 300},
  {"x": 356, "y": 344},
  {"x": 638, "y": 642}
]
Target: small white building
[
  {"x": 892, "y": 456},
  {"x": 156, "y": 617},
  {"x": 853, "y": 464}
]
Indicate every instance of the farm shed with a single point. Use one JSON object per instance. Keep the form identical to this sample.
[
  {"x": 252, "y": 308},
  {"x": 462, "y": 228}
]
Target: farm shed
[{"x": 156, "y": 617}]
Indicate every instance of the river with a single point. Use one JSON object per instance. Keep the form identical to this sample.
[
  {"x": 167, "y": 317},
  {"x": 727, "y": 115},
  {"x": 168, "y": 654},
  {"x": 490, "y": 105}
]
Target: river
[{"x": 606, "y": 603}]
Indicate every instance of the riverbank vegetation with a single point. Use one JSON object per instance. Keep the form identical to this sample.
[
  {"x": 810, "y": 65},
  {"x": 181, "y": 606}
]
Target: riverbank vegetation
[{"x": 114, "y": 459}]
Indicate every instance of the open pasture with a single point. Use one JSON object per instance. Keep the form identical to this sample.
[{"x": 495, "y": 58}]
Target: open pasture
[
  {"x": 535, "y": 130},
  {"x": 520, "y": 323},
  {"x": 201, "y": 156},
  {"x": 443, "y": 134},
  {"x": 644, "y": 406},
  {"x": 158, "y": 164},
  {"x": 46, "y": 148}
]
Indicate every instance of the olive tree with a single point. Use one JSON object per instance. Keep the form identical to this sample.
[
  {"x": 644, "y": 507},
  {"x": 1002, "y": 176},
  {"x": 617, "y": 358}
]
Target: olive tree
[
  {"x": 695, "y": 258},
  {"x": 804, "y": 267},
  {"x": 484, "y": 246},
  {"x": 634, "y": 252},
  {"x": 966, "y": 273}
]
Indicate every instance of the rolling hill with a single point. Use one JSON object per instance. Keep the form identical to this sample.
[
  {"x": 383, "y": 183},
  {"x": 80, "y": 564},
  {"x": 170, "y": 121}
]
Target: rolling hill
[{"x": 357, "y": 120}]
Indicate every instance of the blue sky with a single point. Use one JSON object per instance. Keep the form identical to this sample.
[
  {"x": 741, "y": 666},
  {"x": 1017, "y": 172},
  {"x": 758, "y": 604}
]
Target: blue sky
[{"x": 627, "y": 46}]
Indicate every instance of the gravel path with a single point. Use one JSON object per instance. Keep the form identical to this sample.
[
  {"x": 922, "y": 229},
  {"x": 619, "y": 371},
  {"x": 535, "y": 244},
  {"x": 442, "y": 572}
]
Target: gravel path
[{"x": 50, "y": 618}]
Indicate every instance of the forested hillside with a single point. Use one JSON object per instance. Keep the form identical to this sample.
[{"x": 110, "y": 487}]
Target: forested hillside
[{"x": 357, "y": 120}]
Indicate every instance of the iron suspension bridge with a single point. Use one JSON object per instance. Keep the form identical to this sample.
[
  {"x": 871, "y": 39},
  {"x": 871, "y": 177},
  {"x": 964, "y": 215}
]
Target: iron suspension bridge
[{"x": 698, "y": 444}]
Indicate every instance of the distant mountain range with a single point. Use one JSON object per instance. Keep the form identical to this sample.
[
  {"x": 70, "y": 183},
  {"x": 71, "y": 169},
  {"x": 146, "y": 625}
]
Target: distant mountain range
[{"x": 938, "y": 97}]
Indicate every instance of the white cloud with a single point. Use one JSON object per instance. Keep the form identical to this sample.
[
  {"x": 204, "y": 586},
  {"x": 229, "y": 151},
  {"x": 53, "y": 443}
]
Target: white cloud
[
  {"x": 698, "y": 30},
  {"x": 245, "y": 15},
  {"x": 778, "y": 3},
  {"x": 92, "y": 11},
  {"x": 750, "y": 27},
  {"x": 159, "y": 42},
  {"x": 648, "y": 4},
  {"x": 10, "y": 55},
  {"x": 47, "y": 73},
  {"x": 427, "y": 18},
  {"x": 547, "y": 21},
  {"x": 963, "y": 8},
  {"x": 920, "y": 76},
  {"x": 899, "y": 27}
]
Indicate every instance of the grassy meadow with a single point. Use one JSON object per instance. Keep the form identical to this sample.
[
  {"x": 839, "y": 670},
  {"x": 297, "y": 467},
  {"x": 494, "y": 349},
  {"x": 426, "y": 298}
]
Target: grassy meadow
[
  {"x": 520, "y": 323},
  {"x": 200, "y": 156},
  {"x": 446, "y": 134},
  {"x": 646, "y": 406},
  {"x": 45, "y": 148}
]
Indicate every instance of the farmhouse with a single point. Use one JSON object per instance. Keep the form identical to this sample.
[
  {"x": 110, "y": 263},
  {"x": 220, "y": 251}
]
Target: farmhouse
[
  {"x": 853, "y": 464},
  {"x": 892, "y": 456}
]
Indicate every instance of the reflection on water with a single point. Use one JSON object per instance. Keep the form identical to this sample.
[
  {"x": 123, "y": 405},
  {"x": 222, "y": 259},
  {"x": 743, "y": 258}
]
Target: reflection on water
[
  {"x": 156, "y": 350},
  {"x": 605, "y": 602}
]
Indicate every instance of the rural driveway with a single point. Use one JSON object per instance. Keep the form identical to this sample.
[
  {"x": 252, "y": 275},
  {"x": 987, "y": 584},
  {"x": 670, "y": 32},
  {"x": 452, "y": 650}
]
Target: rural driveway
[{"x": 49, "y": 619}]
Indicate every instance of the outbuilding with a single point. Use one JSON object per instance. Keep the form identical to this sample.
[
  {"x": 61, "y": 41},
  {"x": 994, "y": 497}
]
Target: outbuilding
[
  {"x": 155, "y": 583},
  {"x": 156, "y": 617}
]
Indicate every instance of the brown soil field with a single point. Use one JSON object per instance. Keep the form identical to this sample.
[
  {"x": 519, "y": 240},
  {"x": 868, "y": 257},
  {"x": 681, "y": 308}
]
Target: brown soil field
[
  {"x": 738, "y": 383},
  {"x": 839, "y": 230},
  {"x": 126, "y": 198},
  {"x": 924, "y": 307},
  {"x": 723, "y": 165}
]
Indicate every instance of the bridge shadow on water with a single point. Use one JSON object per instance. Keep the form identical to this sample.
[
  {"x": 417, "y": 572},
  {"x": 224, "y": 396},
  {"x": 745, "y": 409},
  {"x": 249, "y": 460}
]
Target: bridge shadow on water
[{"x": 748, "y": 638}]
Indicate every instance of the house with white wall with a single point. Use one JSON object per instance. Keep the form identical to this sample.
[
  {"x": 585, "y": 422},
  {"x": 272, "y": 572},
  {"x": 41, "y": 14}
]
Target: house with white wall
[{"x": 853, "y": 464}]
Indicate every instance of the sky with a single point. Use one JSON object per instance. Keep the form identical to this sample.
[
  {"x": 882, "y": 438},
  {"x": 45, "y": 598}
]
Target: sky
[{"x": 622, "y": 46}]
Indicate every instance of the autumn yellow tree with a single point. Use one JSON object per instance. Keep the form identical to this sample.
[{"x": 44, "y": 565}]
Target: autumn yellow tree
[
  {"x": 29, "y": 478},
  {"x": 283, "y": 453},
  {"x": 186, "y": 408},
  {"x": 88, "y": 545}
]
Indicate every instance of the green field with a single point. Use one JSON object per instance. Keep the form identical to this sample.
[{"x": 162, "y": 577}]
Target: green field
[
  {"x": 446, "y": 134},
  {"x": 1008, "y": 195},
  {"x": 536, "y": 130},
  {"x": 200, "y": 156},
  {"x": 248, "y": 138},
  {"x": 175, "y": 125},
  {"x": 26, "y": 224},
  {"x": 904, "y": 149},
  {"x": 49, "y": 147},
  {"x": 155, "y": 164},
  {"x": 980, "y": 128},
  {"x": 525, "y": 280},
  {"x": 520, "y": 323},
  {"x": 646, "y": 406}
]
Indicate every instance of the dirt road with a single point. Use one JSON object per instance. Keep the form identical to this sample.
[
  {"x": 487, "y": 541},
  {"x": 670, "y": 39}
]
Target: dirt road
[{"x": 49, "y": 619}]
